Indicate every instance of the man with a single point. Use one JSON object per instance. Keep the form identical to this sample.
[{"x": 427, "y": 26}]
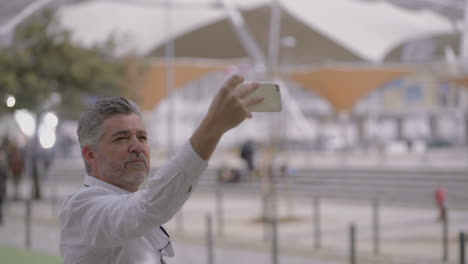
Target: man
[
  {"x": 248, "y": 155},
  {"x": 16, "y": 161},
  {"x": 3, "y": 179},
  {"x": 440, "y": 196},
  {"x": 109, "y": 220}
]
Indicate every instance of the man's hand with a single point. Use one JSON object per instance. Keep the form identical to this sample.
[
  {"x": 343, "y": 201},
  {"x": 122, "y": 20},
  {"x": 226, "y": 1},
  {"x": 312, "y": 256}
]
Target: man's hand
[
  {"x": 227, "y": 110},
  {"x": 229, "y": 107}
]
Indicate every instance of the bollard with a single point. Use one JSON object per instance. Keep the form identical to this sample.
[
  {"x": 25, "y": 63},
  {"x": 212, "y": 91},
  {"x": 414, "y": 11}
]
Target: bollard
[
  {"x": 317, "y": 230},
  {"x": 264, "y": 217},
  {"x": 462, "y": 247},
  {"x": 274, "y": 241},
  {"x": 352, "y": 244},
  {"x": 266, "y": 207},
  {"x": 209, "y": 240},
  {"x": 54, "y": 195},
  {"x": 219, "y": 208},
  {"x": 376, "y": 226},
  {"x": 27, "y": 222},
  {"x": 445, "y": 236}
]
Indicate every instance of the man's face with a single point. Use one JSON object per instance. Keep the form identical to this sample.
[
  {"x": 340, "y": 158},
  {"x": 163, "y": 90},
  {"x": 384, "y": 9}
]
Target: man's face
[{"x": 122, "y": 154}]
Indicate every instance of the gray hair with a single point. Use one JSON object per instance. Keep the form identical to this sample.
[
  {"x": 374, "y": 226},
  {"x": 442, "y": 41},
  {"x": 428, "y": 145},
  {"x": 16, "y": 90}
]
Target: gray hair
[{"x": 89, "y": 129}]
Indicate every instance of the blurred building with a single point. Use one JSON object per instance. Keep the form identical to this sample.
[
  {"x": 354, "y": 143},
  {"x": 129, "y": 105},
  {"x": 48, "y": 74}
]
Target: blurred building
[{"x": 354, "y": 73}]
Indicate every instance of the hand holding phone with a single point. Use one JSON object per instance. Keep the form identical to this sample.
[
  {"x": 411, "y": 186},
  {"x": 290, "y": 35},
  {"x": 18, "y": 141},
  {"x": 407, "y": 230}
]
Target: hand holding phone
[{"x": 270, "y": 92}]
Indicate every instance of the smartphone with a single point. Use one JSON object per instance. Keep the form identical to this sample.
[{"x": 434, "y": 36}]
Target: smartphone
[{"x": 270, "y": 92}]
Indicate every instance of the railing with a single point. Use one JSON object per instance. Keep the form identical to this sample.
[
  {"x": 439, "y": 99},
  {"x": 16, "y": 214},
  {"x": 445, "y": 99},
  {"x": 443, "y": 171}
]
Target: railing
[
  {"x": 414, "y": 188},
  {"x": 271, "y": 227}
]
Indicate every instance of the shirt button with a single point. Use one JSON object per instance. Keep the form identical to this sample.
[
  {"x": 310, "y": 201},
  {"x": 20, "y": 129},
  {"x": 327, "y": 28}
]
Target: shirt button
[{"x": 190, "y": 189}]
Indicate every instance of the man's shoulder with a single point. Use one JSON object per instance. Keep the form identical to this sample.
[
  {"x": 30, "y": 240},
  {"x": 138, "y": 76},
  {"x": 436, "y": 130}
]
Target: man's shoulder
[{"x": 83, "y": 194}]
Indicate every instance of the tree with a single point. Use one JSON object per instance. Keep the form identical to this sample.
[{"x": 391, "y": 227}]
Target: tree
[{"x": 42, "y": 63}]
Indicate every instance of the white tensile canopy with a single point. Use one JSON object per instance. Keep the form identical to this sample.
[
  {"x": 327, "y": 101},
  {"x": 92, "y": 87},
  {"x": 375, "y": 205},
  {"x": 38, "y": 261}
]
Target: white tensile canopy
[{"x": 370, "y": 29}]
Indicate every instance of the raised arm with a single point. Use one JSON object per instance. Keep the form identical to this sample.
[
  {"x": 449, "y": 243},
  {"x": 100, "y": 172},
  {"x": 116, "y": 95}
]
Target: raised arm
[{"x": 227, "y": 110}]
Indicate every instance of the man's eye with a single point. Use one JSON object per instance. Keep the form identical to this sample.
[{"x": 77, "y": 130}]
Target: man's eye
[
  {"x": 143, "y": 138},
  {"x": 119, "y": 139}
]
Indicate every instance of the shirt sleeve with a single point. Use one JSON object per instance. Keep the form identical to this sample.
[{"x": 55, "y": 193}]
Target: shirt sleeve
[{"x": 110, "y": 220}]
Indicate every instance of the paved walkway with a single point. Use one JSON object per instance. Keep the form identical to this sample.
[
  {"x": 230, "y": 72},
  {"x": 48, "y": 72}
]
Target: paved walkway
[
  {"x": 45, "y": 237},
  {"x": 408, "y": 235}
]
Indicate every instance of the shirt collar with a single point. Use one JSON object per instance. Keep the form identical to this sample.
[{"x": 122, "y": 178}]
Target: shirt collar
[{"x": 93, "y": 181}]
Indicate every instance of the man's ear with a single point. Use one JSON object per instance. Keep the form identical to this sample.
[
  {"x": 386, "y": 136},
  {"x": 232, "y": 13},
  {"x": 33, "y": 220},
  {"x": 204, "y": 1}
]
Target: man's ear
[{"x": 89, "y": 155}]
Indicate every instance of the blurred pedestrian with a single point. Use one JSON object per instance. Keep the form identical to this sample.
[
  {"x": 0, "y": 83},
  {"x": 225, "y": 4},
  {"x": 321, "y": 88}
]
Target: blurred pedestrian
[
  {"x": 440, "y": 196},
  {"x": 15, "y": 156},
  {"x": 3, "y": 178},
  {"x": 247, "y": 153},
  {"x": 109, "y": 220}
]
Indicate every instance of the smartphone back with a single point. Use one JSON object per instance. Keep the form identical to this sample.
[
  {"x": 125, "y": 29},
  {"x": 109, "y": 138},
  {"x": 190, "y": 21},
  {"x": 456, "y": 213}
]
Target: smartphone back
[{"x": 271, "y": 98}]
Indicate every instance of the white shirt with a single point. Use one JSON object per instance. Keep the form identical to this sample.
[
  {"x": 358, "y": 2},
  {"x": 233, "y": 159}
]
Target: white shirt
[{"x": 105, "y": 224}]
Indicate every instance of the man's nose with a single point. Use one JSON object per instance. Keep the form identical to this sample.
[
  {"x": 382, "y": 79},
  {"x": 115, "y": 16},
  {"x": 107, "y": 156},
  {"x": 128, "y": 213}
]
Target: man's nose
[{"x": 135, "y": 146}]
